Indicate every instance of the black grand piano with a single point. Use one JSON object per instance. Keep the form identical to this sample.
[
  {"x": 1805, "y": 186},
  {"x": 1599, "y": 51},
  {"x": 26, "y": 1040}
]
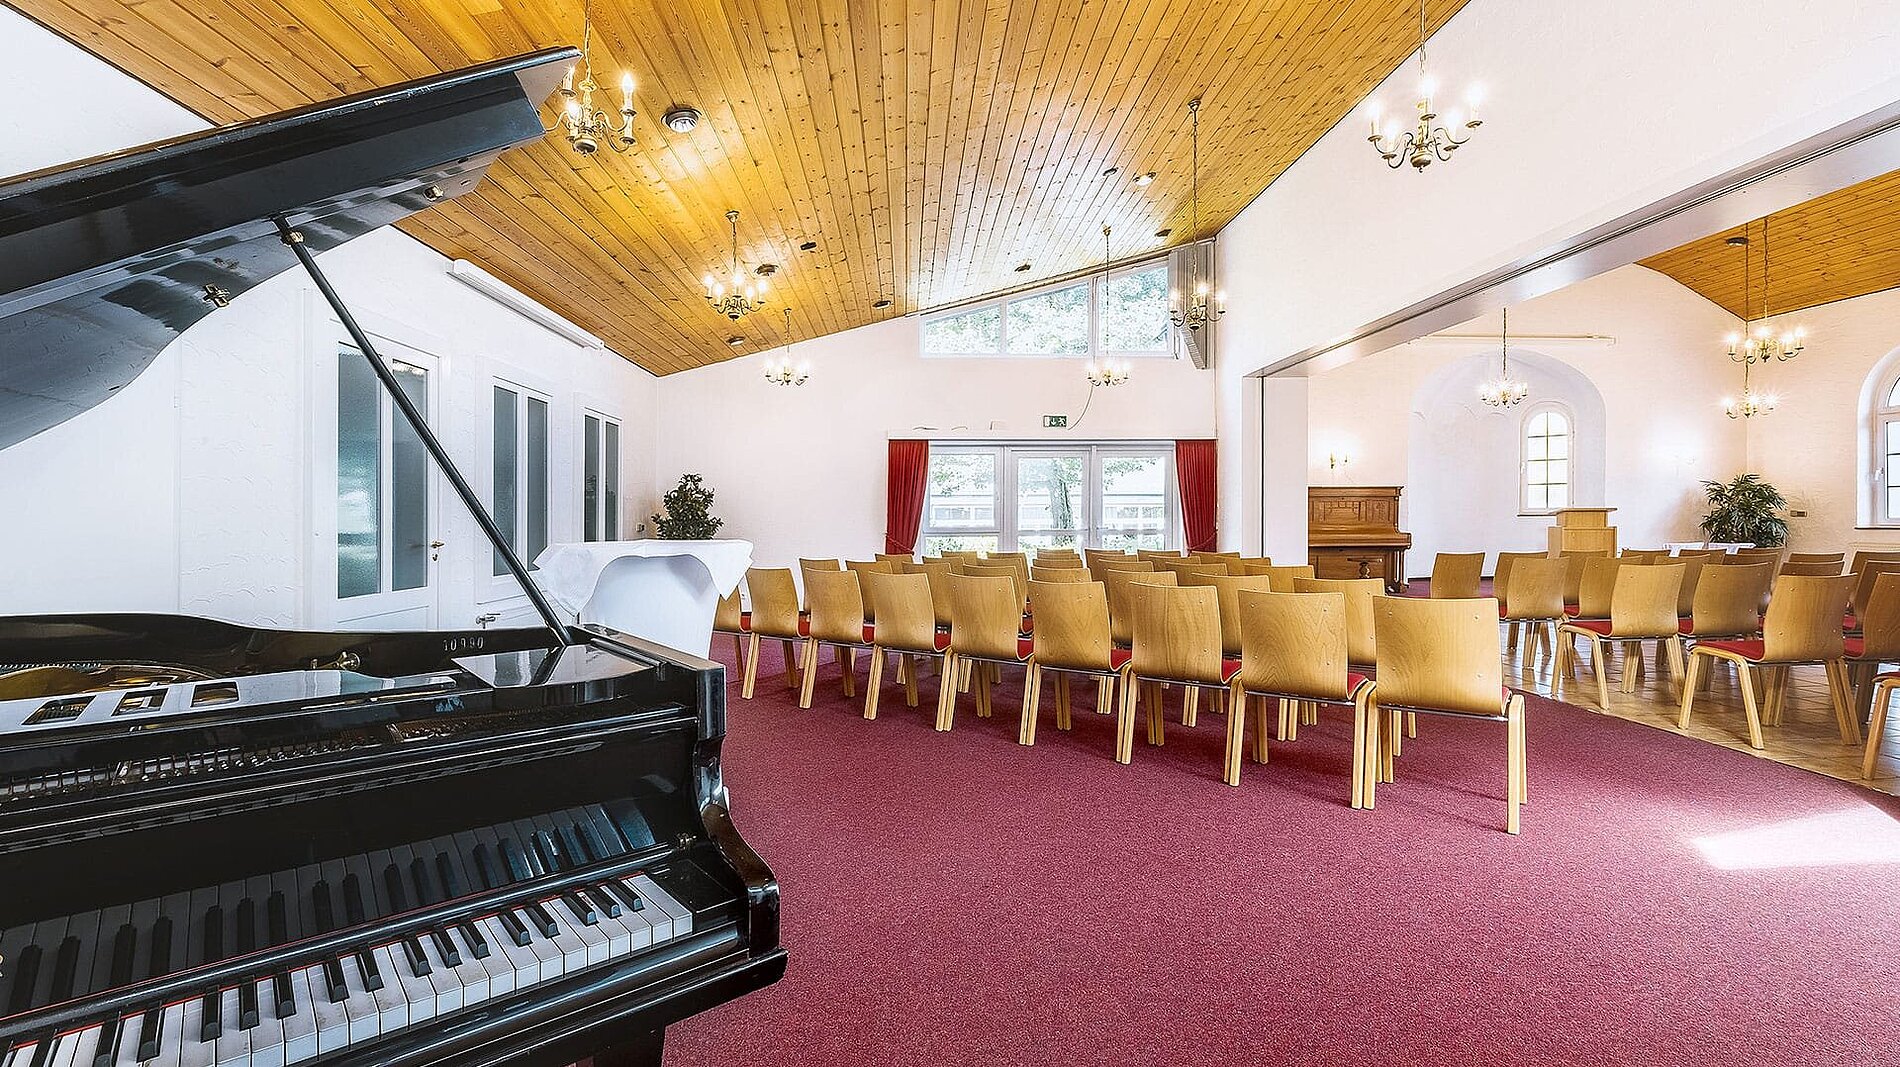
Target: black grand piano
[{"x": 225, "y": 845}]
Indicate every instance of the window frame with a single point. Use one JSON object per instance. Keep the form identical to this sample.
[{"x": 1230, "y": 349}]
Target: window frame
[
  {"x": 609, "y": 501},
  {"x": 1883, "y": 422},
  {"x": 1096, "y": 299},
  {"x": 1006, "y": 502},
  {"x": 1524, "y": 458},
  {"x": 502, "y": 581}
]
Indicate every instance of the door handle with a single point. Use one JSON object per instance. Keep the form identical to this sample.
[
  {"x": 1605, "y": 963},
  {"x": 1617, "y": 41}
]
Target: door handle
[
  {"x": 437, "y": 544},
  {"x": 435, "y": 549}
]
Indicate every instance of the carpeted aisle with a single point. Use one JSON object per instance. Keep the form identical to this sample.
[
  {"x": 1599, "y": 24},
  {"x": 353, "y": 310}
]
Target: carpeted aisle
[{"x": 958, "y": 899}]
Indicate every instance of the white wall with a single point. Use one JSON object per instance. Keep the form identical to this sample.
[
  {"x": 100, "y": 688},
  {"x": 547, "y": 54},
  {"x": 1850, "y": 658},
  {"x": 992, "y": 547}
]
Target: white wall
[
  {"x": 800, "y": 470},
  {"x": 1410, "y": 416},
  {"x": 1593, "y": 108},
  {"x": 192, "y": 490}
]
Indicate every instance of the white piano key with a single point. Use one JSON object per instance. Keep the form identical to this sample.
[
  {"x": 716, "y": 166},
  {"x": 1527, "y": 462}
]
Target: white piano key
[
  {"x": 392, "y": 1005},
  {"x": 233, "y": 1045},
  {"x": 267, "y": 1037},
  {"x": 656, "y": 916},
  {"x": 469, "y": 975},
  {"x": 592, "y": 937},
  {"x": 553, "y": 961},
  {"x": 300, "y": 1028},
  {"x": 20, "y": 1055},
  {"x": 523, "y": 961},
  {"x": 620, "y": 937},
  {"x": 448, "y": 988},
  {"x": 502, "y": 975},
  {"x": 171, "y": 1045},
  {"x": 364, "y": 1013},
  {"x": 682, "y": 918},
  {"x": 193, "y": 1051},
  {"x": 573, "y": 949},
  {"x": 418, "y": 993},
  {"x": 125, "y": 1054},
  {"x": 77, "y": 1048},
  {"x": 333, "y": 1023}
]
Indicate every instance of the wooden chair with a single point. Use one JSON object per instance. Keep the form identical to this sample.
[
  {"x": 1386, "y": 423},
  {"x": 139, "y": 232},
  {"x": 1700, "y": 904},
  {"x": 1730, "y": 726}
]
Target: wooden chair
[
  {"x": 1362, "y": 646},
  {"x": 1090, "y": 555},
  {"x": 1152, "y": 554},
  {"x": 730, "y": 619},
  {"x": 774, "y": 615},
  {"x": 1177, "y": 641},
  {"x": 986, "y": 614},
  {"x": 1061, "y": 556},
  {"x": 1283, "y": 577},
  {"x": 1020, "y": 581},
  {"x": 1457, "y": 575},
  {"x": 1120, "y": 586},
  {"x": 807, "y": 566},
  {"x": 1293, "y": 650},
  {"x": 1595, "y": 588},
  {"x": 1535, "y": 601},
  {"x": 1864, "y": 583},
  {"x": 1756, "y": 555},
  {"x": 1812, "y": 570},
  {"x": 1866, "y": 556},
  {"x": 1878, "y": 643},
  {"x": 1228, "y": 589},
  {"x": 1071, "y": 638},
  {"x": 1803, "y": 625},
  {"x": 1642, "y": 608},
  {"x": 939, "y": 576},
  {"x": 1059, "y": 574},
  {"x": 864, "y": 567},
  {"x": 1644, "y": 556},
  {"x": 1727, "y": 603},
  {"x": 1836, "y": 558},
  {"x": 906, "y": 624},
  {"x": 1440, "y": 657},
  {"x": 893, "y": 557},
  {"x": 836, "y": 618},
  {"x": 1501, "y": 582},
  {"x": 1100, "y": 565},
  {"x": 1187, "y": 567}
]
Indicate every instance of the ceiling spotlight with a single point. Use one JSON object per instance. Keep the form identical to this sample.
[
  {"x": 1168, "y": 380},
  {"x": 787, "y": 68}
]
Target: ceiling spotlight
[
  {"x": 1111, "y": 172},
  {"x": 1164, "y": 231},
  {"x": 1021, "y": 267},
  {"x": 881, "y": 305},
  {"x": 681, "y": 119},
  {"x": 735, "y": 340},
  {"x": 1144, "y": 179},
  {"x": 766, "y": 270},
  {"x": 808, "y": 246}
]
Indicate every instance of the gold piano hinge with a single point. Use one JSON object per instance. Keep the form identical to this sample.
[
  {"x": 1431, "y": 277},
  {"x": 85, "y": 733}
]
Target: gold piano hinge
[{"x": 216, "y": 296}]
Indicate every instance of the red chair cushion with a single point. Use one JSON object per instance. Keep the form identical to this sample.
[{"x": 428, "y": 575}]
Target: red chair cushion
[
  {"x": 745, "y": 622},
  {"x": 1849, "y": 622},
  {"x": 1354, "y": 680},
  {"x": 1029, "y": 624},
  {"x": 1118, "y": 658},
  {"x": 1025, "y": 646},
  {"x": 942, "y": 641},
  {"x": 1500, "y": 609},
  {"x": 1856, "y": 647},
  {"x": 1685, "y": 625},
  {"x": 1750, "y": 649},
  {"x": 1595, "y": 626},
  {"x": 1229, "y": 668},
  {"x": 870, "y": 633},
  {"x": 804, "y": 626}
]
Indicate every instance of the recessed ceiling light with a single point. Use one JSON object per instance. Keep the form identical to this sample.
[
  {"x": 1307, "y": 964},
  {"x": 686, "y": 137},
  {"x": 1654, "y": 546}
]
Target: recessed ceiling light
[
  {"x": 766, "y": 270},
  {"x": 1144, "y": 179},
  {"x": 1111, "y": 172},
  {"x": 680, "y": 118},
  {"x": 1021, "y": 267},
  {"x": 1738, "y": 239},
  {"x": 808, "y": 246},
  {"x": 1164, "y": 231},
  {"x": 881, "y": 305},
  {"x": 735, "y": 340}
]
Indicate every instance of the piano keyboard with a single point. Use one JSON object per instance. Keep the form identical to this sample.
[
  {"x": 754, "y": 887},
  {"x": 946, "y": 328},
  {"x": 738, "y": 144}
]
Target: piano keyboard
[{"x": 336, "y": 1002}]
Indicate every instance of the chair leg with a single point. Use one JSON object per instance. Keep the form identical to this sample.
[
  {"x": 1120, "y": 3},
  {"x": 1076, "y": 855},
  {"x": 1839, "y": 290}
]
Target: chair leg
[
  {"x": 1125, "y": 721},
  {"x": 1063, "y": 705},
  {"x": 1374, "y": 757},
  {"x": 1284, "y": 706},
  {"x": 810, "y": 671},
  {"x": 1359, "y": 717},
  {"x": 1745, "y": 678},
  {"x": 791, "y": 663},
  {"x": 1514, "y": 758},
  {"x": 848, "y": 663},
  {"x": 1841, "y": 692},
  {"x": 1032, "y": 690},
  {"x": 1876, "y": 728},
  {"x": 1236, "y": 729},
  {"x": 982, "y": 685},
  {"x": 1191, "y": 705},
  {"x": 947, "y": 691},
  {"x": 1104, "y": 694},
  {"x": 1261, "y": 731},
  {"x": 738, "y": 651},
  {"x": 1157, "y": 716},
  {"x": 1388, "y": 744},
  {"x": 751, "y": 666},
  {"x": 876, "y": 679},
  {"x": 1411, "y": 725},
  {"x": 1690, "y": 681}
]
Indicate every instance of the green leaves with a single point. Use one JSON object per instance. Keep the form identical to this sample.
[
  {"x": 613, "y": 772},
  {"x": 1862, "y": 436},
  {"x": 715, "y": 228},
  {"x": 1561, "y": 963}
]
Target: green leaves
[
  {"x": 1745, "y": 509},
  {"x": 688, "y": 512}
]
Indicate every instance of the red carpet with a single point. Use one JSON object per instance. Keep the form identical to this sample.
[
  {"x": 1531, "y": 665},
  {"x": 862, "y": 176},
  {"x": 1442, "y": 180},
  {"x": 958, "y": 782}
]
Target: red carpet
[{"x": 957, "y": 899}]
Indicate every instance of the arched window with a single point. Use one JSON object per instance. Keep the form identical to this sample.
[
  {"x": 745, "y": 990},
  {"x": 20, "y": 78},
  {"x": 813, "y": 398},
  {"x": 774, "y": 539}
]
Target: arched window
[
  {"x": 1547, "y": 459},
  {"x": 1885, "y": 454}
]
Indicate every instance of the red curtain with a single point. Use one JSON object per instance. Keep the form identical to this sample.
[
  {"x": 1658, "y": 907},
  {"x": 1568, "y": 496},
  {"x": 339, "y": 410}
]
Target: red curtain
[
  {"x": 1194, "y": 468},
  {"x": 904, "y": 488}
]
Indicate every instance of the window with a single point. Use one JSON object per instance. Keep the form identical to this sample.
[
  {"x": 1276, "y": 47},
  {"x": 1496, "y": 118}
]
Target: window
[
  {"x": 1547, "y": 456},
  {"x": 1013, "y": 498},
  {"x": 1886, "y": 455},
  {"x": 382, "y": 481},
  {"x": 600, "y": 490},
  {"x": 1126, "y": 315},
  {"x": 520, "y": 456}
]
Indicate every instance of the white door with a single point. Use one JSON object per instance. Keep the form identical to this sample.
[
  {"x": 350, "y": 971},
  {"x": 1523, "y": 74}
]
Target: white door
[{"x": 384, "y": 493}]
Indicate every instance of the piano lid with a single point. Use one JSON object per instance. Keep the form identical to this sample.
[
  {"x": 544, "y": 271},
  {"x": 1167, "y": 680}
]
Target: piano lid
[{"x": 105, "y": 261}]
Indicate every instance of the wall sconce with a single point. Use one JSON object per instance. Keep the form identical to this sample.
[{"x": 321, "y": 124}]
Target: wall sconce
[{"x": 1336, "y": 460}]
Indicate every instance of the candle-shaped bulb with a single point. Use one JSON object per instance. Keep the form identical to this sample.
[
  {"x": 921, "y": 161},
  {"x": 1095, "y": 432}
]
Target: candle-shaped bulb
[
  {"x": 567, "y": 83},
  {"x": 626, "y": 90}
]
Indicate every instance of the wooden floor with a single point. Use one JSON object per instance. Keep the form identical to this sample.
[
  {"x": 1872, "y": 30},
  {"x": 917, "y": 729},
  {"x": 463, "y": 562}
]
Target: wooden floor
[{"x": 1806, "y": 738}]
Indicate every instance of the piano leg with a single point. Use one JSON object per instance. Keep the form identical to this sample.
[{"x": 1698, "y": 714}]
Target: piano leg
[{"x": 644, "y": 1050}]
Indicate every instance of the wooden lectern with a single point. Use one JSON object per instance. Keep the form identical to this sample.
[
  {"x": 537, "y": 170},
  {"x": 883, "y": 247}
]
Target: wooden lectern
[{"x": 1582, "y": 530}]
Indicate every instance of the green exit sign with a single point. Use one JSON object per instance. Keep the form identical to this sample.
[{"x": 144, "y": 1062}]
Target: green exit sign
[{"x": 1055, "y": 422}]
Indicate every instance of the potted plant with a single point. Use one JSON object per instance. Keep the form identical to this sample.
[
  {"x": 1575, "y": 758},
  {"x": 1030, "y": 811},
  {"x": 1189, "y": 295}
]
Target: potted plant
[
  {"x": 688, "y": 514},
  {"x": 1745, "y": 510}
]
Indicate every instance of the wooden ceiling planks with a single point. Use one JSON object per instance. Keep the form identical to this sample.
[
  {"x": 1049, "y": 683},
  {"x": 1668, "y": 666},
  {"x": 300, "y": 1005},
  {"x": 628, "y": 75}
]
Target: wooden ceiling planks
[
  {"x": 1834, "y": 247},
  {"x": 928, "y": 147}
]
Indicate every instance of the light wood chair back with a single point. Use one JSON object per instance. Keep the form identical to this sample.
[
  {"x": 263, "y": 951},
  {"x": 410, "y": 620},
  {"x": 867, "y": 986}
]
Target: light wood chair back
[
  {"x": 905, "y": 613},
  {"x": 1728, "y": 599},
  {"x": 1880, "y": 620},
  {"x": 1099, "y": 565},
  {"x": 985, "y": 615},
  {"x": 864, "y": 567},
  {"x": 1501, "y": 576},
  {"x": 1643, "y": 556},
  {"x": 1456, "y": 575},
  {"x": 1757, "y": 555},
  {"x": 1176, "y": 634},
  {"x": 1812, "y": 570},
  {"x": 1866, "y": 578},
  {"x": 1047, "y": 555},
  {"x": 1071, "y": 624},
  {"x": 1284, "y": 577},
  {"x": 1362, "y": 644},
  {"x": 1596, "y": 587},
  {"x": 835, "y": 602},
  {"x": 820, "y": 564},
  {"x": 1228, "y": 590},
  {"x": 1440, "y": 654},
  {"x": 1159, "y": 554},
  {"x": 774, "y": 601},
  {"x": 1536, "y": 588},
  {"x": 1692, "y": 567},
  {"x": 1866, "y": 556},
  {"x": 1076, "y": 573},
  {"x": 1836, "y": 558},
  {"x": 1186, "y": 567},
  {"x": 1294, "y": 643},
  {"x": 939, "y": 576},
  {"x": 894, "y": 557},
  {"x": 1643, "y": 603},
  {"x": 1090, "y": 555},
  {"x": 1574, "y": 564},
  {"x": 1214, "y": 557},
  {"x": 729, "y": 616},
  {"x": 1119, "y": 586},
  {"x": 1803, "y": 624},
  {"x": 1001, "y": 570},
  {"x": 960, "y": 554}
]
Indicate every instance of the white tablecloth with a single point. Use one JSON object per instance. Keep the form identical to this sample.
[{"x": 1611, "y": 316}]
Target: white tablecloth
[
  {"x": 663, "y": 591},
  {"x": 1676, "y": 547}
]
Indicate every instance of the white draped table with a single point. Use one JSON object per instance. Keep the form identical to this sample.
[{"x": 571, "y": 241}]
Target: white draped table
[{"x": 662, "y": 591}]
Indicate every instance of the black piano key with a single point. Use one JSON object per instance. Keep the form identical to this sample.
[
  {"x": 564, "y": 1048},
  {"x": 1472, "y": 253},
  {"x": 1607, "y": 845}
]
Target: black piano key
[
  {"x": 626, "y": 894},
  {"x": 541, "y": 920},
  {"x": 392, "y": 880},
  {"x": 43, "y": 1052},
  {"x": 65, "y": 968},
  {"x": 477, "y": 944},
  {"x": 582, "y": 910},
  {"x": 591, "y": 838},
  {"x": 110, "y": 1034},
  {"x": 418, "y": 963},
  {"x": 515, "y": 927},
  {"x": 324, "y": 907},
  {"x": 276, "y": 918},
  {"x": 518, "y": 869},
  {"x": 372, "y": 974},
  {"x": 26, "y": 975},
  {"x": 451, "y": 882},
  {"x": 124, "y": 946},
  {"x": 209, "y": 1011},
  {"x": 149, "y": 1033},
  {"x": 353, "y": 900},
  {"x": 246, "y": 926},
  {"x": 604, "y": 901},
  {"x": 212, "y": 930},
  {"x": 551, "y": 858},
  {"x": 445, "y": 948},
  {"x": 333, "y": 982},
  {"x": 281, "y": 993},
  {"x": 576, "y": 849},
  {"x": 485, "y": 867},
  {"x": 424, "y": 884},
  {"x": 248, "y": 1015}
]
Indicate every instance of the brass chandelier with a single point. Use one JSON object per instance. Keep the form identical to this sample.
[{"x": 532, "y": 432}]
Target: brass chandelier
[
  {"x": 1432, "y": 138},
  {"x": 1504, "y": 391},
  {"x": 745, "y": 296},
  {"x": 586, "y": 126},
  {"x": 782, "y": 371},
  {"x": 1760, "y": 344},
  {"x": 1205, "y": 303},
  {"x": 1104, "y": 372}
]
